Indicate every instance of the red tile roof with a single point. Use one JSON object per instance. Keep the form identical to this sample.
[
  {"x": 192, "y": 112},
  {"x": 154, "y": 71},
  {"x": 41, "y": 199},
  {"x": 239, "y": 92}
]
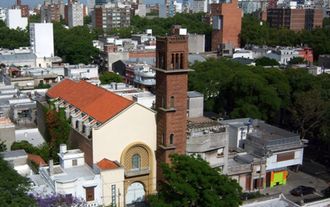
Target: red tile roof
[
  {"x": 97, "y": 102},
  {"x": 106, "y": 164},
  {"x": 36, "y": 159}
]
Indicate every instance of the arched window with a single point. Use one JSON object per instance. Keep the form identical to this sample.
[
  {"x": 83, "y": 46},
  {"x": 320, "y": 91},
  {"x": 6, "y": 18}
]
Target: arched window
[
  {"x": 77, "y": 124},
  {"x": 136, "y": 161},
  {"x": 172, "y": 102},
  {"x": 172, "y": 139}
]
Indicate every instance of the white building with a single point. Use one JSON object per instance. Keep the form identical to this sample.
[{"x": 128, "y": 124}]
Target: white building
[
  {"x": 75, "y": 14},
  {"x": 14, "y": 19},
  {"x": 42, "y": 39},
  {"x": 3, "y": 14},
  {"x": 73, "y": 177},
  {"x": 241, "y": 53},
  {"x": 199, "y": 6},
  {"x": 18, "y": 160},
  {"x": 282, "y": 55},
  {"x": 81, "y": 71}
]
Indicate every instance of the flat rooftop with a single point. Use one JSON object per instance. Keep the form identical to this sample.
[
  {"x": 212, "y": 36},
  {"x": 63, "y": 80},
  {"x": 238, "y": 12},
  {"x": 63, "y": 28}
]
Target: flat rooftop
[{"x": 268, "y": 132}]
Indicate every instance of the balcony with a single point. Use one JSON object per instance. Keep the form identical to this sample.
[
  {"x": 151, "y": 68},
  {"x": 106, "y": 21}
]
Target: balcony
[{"x": 137, "y": 172}]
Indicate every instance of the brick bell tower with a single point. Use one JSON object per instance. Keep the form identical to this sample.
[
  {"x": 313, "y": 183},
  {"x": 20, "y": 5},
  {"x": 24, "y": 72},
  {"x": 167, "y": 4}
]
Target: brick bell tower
[{"x": 171, "y": 95}]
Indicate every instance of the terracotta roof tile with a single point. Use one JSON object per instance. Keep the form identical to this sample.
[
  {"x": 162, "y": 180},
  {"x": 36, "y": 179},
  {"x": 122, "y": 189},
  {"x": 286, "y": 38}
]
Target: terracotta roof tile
[
  {"x": 106, "y": 164},
  {"x": 97, "y": 102},
  {"x": 36, "y": 159}
]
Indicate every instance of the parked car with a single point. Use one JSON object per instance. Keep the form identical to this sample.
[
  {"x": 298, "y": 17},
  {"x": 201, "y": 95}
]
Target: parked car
[{"x": 302, "y": 190}]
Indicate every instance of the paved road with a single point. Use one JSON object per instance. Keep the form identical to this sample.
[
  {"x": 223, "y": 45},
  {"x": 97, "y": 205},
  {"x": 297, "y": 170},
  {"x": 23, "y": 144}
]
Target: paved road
[{"x": 295, "y": 179}]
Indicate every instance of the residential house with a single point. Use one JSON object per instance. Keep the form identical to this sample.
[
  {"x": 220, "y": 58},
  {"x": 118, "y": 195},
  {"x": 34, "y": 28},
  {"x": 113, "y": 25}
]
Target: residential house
[{"x": 72, "y": 177}]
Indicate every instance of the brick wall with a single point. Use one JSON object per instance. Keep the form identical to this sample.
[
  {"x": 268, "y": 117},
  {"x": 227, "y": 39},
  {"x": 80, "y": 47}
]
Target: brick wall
[{"x": 78, "y": 141}]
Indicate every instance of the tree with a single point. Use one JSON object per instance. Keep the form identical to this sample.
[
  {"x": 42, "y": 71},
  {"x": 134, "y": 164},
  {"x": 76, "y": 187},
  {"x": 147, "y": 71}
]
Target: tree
[
  {"x": 13, "y": 38},
  {"x": 308, "y": 112},
  {"x": 13, "y": 187},
  {"x": 108, "y": 77},
  {"x": 265, "y": 61},
  {"x": 3, "y": 146},
  {"x": 297, "y": 60},
  {"x": 191, "y": 182},
  {"x": 42, "y": 150},
  {"x": 75, "y": 45},
  {"x": 58, "y": 200}
]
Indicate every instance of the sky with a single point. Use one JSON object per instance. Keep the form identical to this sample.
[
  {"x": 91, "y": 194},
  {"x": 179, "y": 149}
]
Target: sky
[{"x": 33, "y": 3}]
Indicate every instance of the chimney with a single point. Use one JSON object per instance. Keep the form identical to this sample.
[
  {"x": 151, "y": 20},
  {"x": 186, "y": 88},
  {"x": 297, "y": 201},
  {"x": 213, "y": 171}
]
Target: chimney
[
  {"x": 18, "y": 2},
  {"x": 51, "y": 167},
  {"x": 63, "y": 148}
]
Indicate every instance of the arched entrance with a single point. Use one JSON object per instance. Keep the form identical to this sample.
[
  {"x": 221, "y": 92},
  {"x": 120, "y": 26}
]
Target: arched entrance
[{"x": 135, "y": 193}]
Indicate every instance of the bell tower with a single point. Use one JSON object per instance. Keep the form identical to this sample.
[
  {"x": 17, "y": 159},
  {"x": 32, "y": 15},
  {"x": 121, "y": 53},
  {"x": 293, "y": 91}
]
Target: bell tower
[{"x": 171, "y": 95}]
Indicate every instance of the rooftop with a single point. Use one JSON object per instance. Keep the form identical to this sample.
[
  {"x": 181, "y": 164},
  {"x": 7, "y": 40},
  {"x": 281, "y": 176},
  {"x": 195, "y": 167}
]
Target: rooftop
[
  {"x": 268, "y": 132},
  {"x": 36, "y": 159},
  {"x": 194, "y": 94},
  {"x": 97, "y": 102},
  {"x": 13, "y": 154},
  {"x": 6, "y": 122},
  {"x": 33, "y": 136},
  {"x": 106, "y": 164}
]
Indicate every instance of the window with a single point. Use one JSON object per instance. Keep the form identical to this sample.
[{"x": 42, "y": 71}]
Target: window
[
  {"x": 285, "y": 156},
  {"x": 77, "y": 124},
  {"x": 172, "y": 102},
  {"x": 74, "y": 162},
  {"x": 83, "y": 128},
  {"x": 172, "y": 139},
  {"x": 113, "y": 195},
  {"x": 89, "y": 193},
  {"x": 136, "y": 161},
  {"x": 220, "y": 152}
]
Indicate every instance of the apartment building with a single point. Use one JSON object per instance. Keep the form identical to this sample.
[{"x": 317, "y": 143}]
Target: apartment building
[
  {"x": 15, "y": 20},
  {"x": 295, "y": 19},
  {"x": 226, "y": 23},
  {"x": 50, "y": 12},
  {"x": 42, "y": 39},
  {"x": 75, "y": 14},
  {"x": 111, "y": 16}
]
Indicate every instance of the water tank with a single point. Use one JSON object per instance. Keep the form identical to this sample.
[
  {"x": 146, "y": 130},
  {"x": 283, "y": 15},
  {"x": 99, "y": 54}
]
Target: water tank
[{"x": 63, "y": 148}]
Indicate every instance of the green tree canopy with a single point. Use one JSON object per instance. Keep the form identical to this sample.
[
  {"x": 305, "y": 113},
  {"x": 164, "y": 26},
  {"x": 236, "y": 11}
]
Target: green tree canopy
[
  {"x": 297, "y": 60},
  {"x": 75, "y": 45},
  {"x": 13, "y": 187},
  {"x": 108, "y": 77},
  {"x": 191, "y": 182},
  {"x": 265, "y": 61}
]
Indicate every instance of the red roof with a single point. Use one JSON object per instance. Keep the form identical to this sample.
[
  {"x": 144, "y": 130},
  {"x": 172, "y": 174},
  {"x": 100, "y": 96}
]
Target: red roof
[
  {"x": 36, "y": 159},
  {"x": 106, "y": 164},
  {"x": 97, "y": 102}
]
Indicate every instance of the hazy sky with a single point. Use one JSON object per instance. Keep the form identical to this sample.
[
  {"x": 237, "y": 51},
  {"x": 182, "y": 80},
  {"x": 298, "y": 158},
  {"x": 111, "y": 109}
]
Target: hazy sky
[{"x": 33, "y": 3}]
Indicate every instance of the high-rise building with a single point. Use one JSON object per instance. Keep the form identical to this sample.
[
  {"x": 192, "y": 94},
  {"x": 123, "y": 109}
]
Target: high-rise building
[
  {"x": 42, "y": 39},
  {"x": 101, "y": 2},
  {"x": 295, "y": 19},
  {"x": 24, "y": 8},
  {"x": 15, "y": 20},
  {"x": 227, "y": 22},
  {"x": 75, "y": 14},
  {"x": 171, "y": 95},
  {"x": 50, "y": 12},
  {"x": 199, "y": 6},
  {"x": 111, "y": 16}
]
